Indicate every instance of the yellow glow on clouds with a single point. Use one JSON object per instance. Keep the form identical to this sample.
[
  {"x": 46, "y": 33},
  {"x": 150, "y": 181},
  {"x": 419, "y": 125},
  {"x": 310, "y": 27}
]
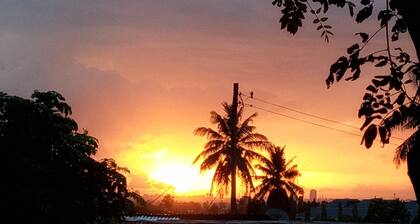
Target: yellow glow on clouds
[
  {"x": 164, "y": 162},
  {"x": 185, "y": 179}
]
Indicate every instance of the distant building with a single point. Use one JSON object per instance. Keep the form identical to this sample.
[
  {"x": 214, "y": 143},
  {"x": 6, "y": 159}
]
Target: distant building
[
  {"x": 362, "y": 207},
  {"x": 312, "y": 195}
]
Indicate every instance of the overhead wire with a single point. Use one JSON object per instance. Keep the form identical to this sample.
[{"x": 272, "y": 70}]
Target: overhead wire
[
  {"x": 310, "y": 122},
  {"x": 306, "y": 121},
  {"x": 307, "y": 114},
  {"x": 302, "y": 112},
  {"x": 156, "y": 198}
]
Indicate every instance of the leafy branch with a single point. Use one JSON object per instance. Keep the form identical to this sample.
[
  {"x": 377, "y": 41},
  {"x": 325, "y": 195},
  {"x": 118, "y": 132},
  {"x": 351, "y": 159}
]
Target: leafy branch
[
  {"x": 326, "y": 29},
  {"x": 388, "y": 93}
]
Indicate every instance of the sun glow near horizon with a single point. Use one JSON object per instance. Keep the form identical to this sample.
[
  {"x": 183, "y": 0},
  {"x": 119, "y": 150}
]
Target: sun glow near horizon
[
  {"x": 161, "y": 161},
  {"x": 185, "y": 179}
]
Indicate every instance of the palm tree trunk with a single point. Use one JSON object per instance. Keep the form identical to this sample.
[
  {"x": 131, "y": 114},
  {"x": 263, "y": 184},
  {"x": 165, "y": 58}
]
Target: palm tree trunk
[
  {"x": 233, "y": 206},
  {"x": 409, "y": 12},
  {"x": 413, "y": 168}
]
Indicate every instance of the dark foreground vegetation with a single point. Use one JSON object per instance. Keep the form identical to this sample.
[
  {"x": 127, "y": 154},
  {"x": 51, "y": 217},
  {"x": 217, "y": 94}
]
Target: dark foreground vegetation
[
  {"x": 49, "y": 175},
  {"x": 52, "y": 177}
]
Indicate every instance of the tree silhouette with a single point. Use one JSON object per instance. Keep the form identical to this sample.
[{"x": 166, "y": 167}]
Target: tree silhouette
[
  {"x": 387, "y": 211},
  {"x": 339, "y": 211},
  {"x": 392, "y": 100},
  {"x": 49, "y": 175},
  {"x": 168, "y": 202},
  {"x": 307, "y": 211},
  {"x": 324, "y": 215},
  {"x": 230, "y": 150},
  {"x": 355, "y": 213},
  {"x": 278, "y": 180},
  {"x": 139, "y": 204}
]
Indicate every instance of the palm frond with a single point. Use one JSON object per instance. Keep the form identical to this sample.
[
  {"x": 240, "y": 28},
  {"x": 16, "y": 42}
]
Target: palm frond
[
  {"x": 208, "y": 133},
  {"x": 243, "y": 131},
  {"x": 262, "y": 189},
  {"x": 255, "y": 144},
  {"x": 211, "y": 160},
  {"x": 208, "y": 151},
  {"x": 298, "y": 189},
  {"x": 221, "y": 177},
  {"x": 253, "y": 137},
  {"x": 240, "y": 112},
  {"x": 245, "y": 128},
  {"x": 410, "y": 117},
  {"x": 290, "y": 161},
  {"x": 290, "y": 190},
  {"x": 245, "y": 174},
  {"x": 293, "y": 189},
  {"x": 411, "y": 143},
  {"x": 222, "y": 124},
  {"x": 267, "y": 171},
  {"x": 404, "y": 118},
  {"x": 277, "y": 159},
  {"x": 227, "y": 108},
  {"x": 249, "y": 120},
  {"x": 252, "y": 155},
  {"x": 291, "y": 173},
  {"x": 214, "y": 143}
]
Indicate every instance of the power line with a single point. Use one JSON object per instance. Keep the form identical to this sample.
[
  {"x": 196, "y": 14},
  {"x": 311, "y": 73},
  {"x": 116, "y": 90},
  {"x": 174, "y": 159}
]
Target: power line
[
  {"x": 156, "y": 198},
  {"x": 308, "y": 122},
  {"x": 308, "y": 114},
  {"x": 301, "y": 112}
]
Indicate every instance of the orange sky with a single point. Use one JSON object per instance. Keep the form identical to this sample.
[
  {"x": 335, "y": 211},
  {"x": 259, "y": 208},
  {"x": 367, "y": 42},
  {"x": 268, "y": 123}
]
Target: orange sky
[{"x": 141, "y": 76}]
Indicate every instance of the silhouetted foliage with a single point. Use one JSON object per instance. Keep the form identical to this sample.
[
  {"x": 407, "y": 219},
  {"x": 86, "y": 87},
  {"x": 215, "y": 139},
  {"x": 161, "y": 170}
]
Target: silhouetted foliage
[
  {"x": 355, "y": 213},
  {"x": 292, "y": 209},
  {"x": 256, "y": 207},
  {"x": 231, "y": 149},
  {"x": 416, "y": 218},
  {"x": 188, "y": 208},
  {"x": 139, "y": 205},
  {"x": 387, "y": 211},
  {"x": 212, "y": 208},
  {"x": 167, "y": 202},
  {"x": 339, "y": 211},
  {"x": 278, "y": 181},
  {"x": 389, "y": 101},
  {"x": 243, "y": 204},
  {"x": 324, "y": 215},
  {"x": 49, "y": 175},
  {"x": 307, "y": 212},
  {"x": 300, "y": 204}
]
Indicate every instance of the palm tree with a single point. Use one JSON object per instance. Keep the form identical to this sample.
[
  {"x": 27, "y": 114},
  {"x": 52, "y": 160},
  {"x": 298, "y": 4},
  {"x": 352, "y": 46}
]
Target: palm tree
[
  {"x": 409, "y": 149},
  {"x": 278, "y": 180},
  {"x": 230, "y": 149},
  {"x": 407, "y": 117},
  {"x": 403, "y": 115}
]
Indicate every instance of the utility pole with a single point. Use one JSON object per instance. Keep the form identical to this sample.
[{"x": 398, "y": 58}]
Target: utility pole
[
  {"x": 234, "y": 140},
  {"x": 235, "y": 96}
]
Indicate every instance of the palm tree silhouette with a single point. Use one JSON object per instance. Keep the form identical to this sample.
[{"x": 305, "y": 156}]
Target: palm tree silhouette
[
  {"x": 278, "y": 180},
  {"x": 409, "y": 149},
  {"x": 230, "y": 149}
]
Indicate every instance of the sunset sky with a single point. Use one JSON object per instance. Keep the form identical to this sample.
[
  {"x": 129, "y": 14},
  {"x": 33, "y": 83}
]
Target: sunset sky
[{"x": 142, "y": 75}]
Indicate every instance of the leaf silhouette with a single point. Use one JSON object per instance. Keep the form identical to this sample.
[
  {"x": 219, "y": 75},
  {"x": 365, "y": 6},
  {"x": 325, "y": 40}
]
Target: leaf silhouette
[{"x": 369, "y": 136}]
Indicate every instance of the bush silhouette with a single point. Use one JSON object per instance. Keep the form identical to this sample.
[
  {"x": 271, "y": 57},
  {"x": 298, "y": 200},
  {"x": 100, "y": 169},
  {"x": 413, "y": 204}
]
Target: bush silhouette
[{"x": 48, "y": 172}]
